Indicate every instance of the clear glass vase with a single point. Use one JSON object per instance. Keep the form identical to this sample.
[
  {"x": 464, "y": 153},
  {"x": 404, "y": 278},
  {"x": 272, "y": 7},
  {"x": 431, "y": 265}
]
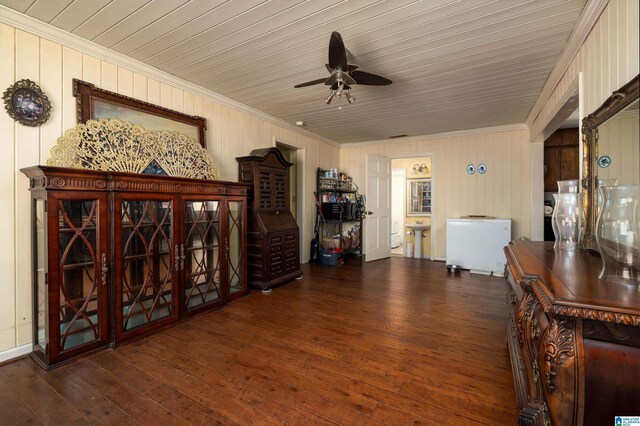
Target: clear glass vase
[
  {"x": 568, "y": 186},
  {"x": 564, "y": 187},
  {"x": 603, "y": 182},
  {"x": 568, "y": 220},
  {"x": 618, "y": 234},
  {"x": 554, "y": 225}
]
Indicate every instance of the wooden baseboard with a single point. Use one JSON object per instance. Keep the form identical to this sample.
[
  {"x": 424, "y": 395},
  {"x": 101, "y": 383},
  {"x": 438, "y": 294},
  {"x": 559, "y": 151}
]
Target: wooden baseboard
[{"x": 17, "y": 352}]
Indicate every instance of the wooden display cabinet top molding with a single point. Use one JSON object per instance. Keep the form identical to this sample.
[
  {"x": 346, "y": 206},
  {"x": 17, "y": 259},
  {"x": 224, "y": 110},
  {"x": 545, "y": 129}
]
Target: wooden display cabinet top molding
[
  {"x": 60, "y": 178},
  {"x": 566, "y": 283},
  {"x": 267, "y": 157}
]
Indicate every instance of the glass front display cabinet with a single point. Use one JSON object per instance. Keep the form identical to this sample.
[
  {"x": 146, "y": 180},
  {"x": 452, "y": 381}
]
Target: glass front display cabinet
[{"x": 109, "y": 265}]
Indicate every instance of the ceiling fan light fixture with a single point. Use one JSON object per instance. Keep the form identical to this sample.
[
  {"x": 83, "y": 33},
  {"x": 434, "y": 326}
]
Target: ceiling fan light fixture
[
  {"x": 343, "y": 74},
  {"x": 329, "y": 98}
]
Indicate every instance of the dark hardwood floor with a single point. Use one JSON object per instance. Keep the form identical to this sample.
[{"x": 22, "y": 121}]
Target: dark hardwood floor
[{"x": 396, "y": 341}]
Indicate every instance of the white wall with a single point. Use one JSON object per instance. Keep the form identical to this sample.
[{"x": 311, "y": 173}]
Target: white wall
[
  {"x": 231, "y": 132},
  {"x": 504, "y": 191},
  {"x": 607, "y": 60}
]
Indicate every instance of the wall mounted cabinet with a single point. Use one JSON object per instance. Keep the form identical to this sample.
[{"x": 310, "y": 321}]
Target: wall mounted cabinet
[
  {"x": 118, "y": 255},
  {"x": 419, "y": 197}
]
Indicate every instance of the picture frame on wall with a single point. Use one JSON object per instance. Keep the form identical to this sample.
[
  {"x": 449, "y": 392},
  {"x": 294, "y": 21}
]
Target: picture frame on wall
[
  {"x": 95, "y": 103},
  {"x": 26, "y": 103}
]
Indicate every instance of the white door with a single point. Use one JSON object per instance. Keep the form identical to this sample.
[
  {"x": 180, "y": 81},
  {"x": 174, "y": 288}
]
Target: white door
[{"x": 377, "y": 225}]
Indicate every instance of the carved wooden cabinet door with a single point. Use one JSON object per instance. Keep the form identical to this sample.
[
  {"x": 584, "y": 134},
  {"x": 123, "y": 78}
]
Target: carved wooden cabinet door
[
  {"x": 235, "y": 247},
  {"x": 273, "y": 187},
  {"x": 147, "y": 259},
  {"x": 71, "y": 297},
  {"x": 201, "y": 253}
]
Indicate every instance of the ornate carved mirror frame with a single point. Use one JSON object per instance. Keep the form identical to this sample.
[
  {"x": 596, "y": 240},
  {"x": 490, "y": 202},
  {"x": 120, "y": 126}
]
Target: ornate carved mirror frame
[{"x": 618, "y": 100}]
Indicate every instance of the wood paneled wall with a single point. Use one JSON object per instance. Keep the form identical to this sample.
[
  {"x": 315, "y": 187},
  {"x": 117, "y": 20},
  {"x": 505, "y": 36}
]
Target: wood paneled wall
[
  {"x": 607, "y": 60},
  {"x": 504, "y": 191},
  {"x": 230, "y": 133}
]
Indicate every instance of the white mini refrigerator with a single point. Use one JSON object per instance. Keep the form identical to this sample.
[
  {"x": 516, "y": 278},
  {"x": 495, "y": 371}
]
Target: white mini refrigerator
[{"x": 477, "y": 244}]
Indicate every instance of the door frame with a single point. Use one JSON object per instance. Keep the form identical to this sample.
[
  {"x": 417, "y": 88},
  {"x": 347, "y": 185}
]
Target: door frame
[
  {"x": 301, "y": 212},
  {"x": 403, "y": 174},
  {"x": 572, "y": 99},
  {"x": 434, "y": 198}
]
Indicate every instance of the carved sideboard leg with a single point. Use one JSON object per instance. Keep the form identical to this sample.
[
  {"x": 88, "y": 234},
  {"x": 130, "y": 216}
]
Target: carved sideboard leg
[
  {"x": 525, "y": 311},
  {"x": 561, "y": 347}
]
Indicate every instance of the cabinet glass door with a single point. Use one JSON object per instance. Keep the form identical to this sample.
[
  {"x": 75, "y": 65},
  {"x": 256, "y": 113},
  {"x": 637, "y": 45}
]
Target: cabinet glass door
[
  {"x": 145, "y": 284},
  {"x": 201, "y": 268},
  {"x": 41, "y": 296},
  {"x": 235, "y": 248},
  {"x": 82, "y": 264}
]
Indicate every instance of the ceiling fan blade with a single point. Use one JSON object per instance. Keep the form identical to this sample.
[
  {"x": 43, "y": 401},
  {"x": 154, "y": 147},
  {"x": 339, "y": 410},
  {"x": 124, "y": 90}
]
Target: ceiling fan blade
[
  {"x": 311, "y": 83},
  {"x": 337, "y": 52},
  {"x": 367, "y": 78}
]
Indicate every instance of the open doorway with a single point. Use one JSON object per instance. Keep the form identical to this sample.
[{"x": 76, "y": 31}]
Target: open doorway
[
  {"x": 411, "y": 207},
  {"x": 561, "y": 155},
  {"x": 561, "y": 162},
  {"x": 296, "y": 156},
  {"x": 291, "y": 155}
]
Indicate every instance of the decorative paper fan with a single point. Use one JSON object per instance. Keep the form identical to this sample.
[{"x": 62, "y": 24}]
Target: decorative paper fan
[
  {"x": 181, "y": 156},
  {"x": 114, "y": 145}
]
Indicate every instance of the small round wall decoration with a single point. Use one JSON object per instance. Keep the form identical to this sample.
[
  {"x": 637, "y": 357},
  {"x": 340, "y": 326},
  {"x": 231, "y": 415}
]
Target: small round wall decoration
[
  {"x": 604, "y": 161},
  {"x": 471, "y": 169},
  {"x": 482, "y": 169},
  {"x": 26, "y": 103}
]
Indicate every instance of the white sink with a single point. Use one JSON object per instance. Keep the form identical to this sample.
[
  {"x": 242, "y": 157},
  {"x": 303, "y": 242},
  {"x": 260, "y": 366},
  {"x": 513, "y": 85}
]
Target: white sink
[{"x": 418, "y": 228}]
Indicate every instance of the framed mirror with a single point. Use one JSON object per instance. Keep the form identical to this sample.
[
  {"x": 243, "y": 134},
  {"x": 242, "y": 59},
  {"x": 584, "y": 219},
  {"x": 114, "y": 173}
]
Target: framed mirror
[
  {"x": 611, "y": 151},
  {"x": 418, "y": 197}
]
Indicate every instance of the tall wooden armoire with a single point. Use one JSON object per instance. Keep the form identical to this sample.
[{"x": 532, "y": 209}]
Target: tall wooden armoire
[{"x": 273, "y": 239}]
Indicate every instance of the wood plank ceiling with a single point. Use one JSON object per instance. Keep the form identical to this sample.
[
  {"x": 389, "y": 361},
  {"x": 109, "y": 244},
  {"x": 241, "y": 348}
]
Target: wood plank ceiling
[{"x": 455, "y": 64}]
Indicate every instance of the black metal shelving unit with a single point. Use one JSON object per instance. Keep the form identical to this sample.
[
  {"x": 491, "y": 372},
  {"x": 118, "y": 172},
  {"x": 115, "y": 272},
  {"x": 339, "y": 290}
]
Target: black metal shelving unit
[{"x": 337, "y": 217}]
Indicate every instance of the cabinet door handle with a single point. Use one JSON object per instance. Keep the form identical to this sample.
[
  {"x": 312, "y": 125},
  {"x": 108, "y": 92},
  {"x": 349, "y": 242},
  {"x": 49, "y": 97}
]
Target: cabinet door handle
[
  {"x": 176, "y": 258},
  {"x": 182, "y": 257},
  {"x": 105, "y": 269}
]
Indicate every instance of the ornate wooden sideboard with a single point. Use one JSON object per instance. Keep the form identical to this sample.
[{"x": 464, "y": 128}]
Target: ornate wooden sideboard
[
  {"x": 120, "y": 255},
  {"x": 273, "y": 234},
  {"x": 574, "y": 340}
]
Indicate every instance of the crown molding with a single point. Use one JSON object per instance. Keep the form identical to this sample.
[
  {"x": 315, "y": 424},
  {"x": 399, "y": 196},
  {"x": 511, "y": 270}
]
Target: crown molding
[
  {"x": 587, "y": 20},
  {"x": 494, "y": 129},
  {"x": 42, "y": 29}
]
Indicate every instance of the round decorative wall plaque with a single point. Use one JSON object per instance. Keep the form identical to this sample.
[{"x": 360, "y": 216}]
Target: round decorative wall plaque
[
  {"x": 604, "y": 161},
  {"x": 26, "y": 103}
]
